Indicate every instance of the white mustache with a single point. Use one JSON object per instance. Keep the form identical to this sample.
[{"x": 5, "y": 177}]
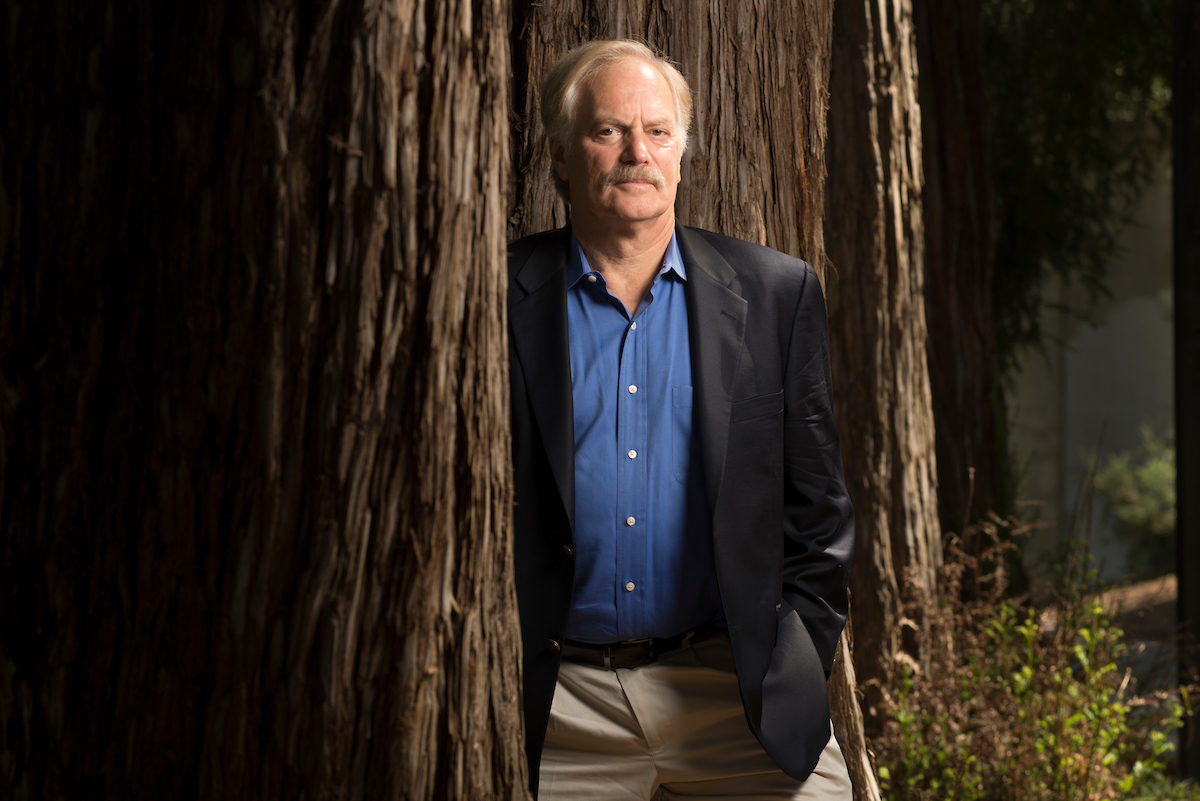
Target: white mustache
[{"x": 630, "y": 172}]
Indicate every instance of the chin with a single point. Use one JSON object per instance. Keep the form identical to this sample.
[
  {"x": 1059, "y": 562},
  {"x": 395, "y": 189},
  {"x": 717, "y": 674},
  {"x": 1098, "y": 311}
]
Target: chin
[
  {"x": 646, "y": 209},
  {"x": 639, "y": 215}
]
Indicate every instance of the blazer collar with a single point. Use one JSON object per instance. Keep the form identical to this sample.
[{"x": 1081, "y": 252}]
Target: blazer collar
[{"x": 546, "y": 260}]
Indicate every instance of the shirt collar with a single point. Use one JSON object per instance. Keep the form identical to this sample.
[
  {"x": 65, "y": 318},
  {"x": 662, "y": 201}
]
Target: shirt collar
[{"x": 578, "y": 267}]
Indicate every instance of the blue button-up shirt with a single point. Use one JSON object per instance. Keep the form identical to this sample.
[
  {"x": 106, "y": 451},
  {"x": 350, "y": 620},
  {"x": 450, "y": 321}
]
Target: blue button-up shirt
[{"x": 643, "y": 531}]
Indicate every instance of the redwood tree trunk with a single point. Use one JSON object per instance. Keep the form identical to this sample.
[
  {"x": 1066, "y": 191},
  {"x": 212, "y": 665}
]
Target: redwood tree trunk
[
  {"x": 254, "y": 477},
  {"x": 875, "y": 239},
  {"x": 1185, "y": 185},
  {"x": 755, "y": 166},
  {"x": 968, "y": 399}
]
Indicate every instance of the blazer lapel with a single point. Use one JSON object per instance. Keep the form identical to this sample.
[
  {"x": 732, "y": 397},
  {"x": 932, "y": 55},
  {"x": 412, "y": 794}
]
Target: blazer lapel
[
  {"x": 716, "y": 325},
  {"x": 538, "y": 323}
]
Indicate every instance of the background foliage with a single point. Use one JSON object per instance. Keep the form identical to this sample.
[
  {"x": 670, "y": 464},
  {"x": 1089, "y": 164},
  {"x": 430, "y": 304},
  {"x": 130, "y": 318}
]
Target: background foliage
[
  {"x": 1080, "y": 97},
  {"x": 1138, "y": 486},
  {"x": 1017, "y": 704}
]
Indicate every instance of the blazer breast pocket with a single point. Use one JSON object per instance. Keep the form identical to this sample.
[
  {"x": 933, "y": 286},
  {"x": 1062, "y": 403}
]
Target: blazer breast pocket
[{"x": 759, "y": 406}]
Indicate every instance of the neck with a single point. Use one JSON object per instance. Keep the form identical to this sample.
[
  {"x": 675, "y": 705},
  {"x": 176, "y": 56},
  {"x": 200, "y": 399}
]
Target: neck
[
  {"x": 628, "y": 256},
  {"x": 630, "y": 253}
]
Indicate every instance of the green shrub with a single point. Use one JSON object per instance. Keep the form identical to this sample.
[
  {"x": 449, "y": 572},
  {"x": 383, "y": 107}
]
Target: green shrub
[
  {"x": 1138, "y": 488},
  {"x": 1010, "y": 703},
  {"x": 1162, "y": 788}
]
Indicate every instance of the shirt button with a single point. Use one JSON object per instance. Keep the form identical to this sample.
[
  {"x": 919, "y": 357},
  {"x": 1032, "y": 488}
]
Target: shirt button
[
  {"x": 633, "y": 454},
  {"x": 633, "y": 326},
  {"x": 567, "y": 550},
  {"x": 629, "y": 521},
  {"x": 632, "y": 389},
  {"x": 629, "y": 587},
  {"x": 554, "y": 646},
  {"x": 591, "y": 279}
]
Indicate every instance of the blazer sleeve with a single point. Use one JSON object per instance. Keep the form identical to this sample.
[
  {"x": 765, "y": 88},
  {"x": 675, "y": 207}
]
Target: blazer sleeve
[{"x": 818, "y": 517}]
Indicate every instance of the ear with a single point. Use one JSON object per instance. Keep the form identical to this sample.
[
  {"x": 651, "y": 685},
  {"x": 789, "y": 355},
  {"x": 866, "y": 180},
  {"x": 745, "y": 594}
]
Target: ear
[{"x": 558, "y": 155}]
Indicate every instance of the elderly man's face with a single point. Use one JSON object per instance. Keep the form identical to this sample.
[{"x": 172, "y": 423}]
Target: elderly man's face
[{"x": 623, "y": 165}]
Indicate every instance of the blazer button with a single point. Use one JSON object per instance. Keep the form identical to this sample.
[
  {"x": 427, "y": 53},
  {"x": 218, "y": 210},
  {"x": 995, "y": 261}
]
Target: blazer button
[
  {"x": 554, "y": 646},
  {"x": 567, "y": 550}
]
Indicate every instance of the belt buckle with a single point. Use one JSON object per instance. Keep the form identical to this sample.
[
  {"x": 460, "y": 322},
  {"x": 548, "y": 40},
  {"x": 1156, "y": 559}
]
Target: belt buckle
[{"x": 650, "y": 651}]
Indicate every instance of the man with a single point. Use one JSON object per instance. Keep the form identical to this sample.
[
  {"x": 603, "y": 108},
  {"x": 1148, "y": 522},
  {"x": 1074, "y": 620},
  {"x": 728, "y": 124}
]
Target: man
[{"x": 683, "y": 534}]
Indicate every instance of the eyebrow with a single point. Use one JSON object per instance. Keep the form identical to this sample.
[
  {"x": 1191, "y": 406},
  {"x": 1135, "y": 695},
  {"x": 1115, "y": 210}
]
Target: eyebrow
[{"x": 664, "y": 122}]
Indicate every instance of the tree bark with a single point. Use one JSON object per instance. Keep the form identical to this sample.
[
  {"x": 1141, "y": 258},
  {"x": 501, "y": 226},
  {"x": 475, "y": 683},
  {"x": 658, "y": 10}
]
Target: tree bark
[
  {"x": 1185, "y": 167},
  {"x": 755, "y": 166},
  {"x": 875, "y": 239},
  {"x": 968, "y": 399},
  {"x": 254, "y": 473},
  {"x": 848, "y": 726}
]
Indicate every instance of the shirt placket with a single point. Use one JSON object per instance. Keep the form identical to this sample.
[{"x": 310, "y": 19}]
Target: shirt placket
[{"x": 633, "y": 477}]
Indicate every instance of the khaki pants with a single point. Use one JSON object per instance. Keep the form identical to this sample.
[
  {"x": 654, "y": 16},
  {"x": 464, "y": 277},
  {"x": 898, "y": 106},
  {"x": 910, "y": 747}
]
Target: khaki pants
[{"x": 677, "y": 724}]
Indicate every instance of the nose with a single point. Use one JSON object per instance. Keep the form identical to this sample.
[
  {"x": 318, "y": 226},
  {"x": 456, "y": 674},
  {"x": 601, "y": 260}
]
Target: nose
[{"x": 636, "y": 150}]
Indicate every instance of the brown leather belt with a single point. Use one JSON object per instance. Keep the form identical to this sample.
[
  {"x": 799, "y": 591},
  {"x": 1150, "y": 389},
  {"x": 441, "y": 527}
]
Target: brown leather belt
[{"x": 632, "y": 653}]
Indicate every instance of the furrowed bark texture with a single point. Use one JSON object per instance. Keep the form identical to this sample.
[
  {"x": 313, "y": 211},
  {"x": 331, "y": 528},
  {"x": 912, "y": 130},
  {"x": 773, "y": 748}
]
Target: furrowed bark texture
[
  {"x": 755, "y": 165},
  {"x": 846, "y": 714},
  {"x": 968, "y": 399},
  {"x": 755, "y": 162},
  {"x": 874, "y": 237},
  {"x": 254, "y": 472}
]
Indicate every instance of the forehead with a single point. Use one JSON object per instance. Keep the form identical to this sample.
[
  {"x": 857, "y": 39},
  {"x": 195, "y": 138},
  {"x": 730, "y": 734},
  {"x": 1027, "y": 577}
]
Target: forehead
[{"x": 625, "y": 87}]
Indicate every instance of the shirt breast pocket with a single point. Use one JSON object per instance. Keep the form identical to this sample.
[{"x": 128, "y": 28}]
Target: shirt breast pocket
[{"x": 681, "y": 432}]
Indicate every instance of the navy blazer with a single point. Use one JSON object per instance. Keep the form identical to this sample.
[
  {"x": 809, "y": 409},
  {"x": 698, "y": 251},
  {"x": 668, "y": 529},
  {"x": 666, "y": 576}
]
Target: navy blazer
[{"x": 783, "y": 527}]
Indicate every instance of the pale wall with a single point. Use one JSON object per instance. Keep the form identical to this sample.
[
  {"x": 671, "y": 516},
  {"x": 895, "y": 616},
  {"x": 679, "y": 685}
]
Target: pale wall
[{"x": 1093, "y": 380}]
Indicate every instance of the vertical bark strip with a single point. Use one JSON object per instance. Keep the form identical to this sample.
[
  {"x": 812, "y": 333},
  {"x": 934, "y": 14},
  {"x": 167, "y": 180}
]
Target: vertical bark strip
[
  {"x": 254, "y": 472},
  {"x": 968, "y": 399},
  {"x": 875, "y": 238},
  {"x": 847, "y": 717},
  {"x": 1185, "y": 167}
]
